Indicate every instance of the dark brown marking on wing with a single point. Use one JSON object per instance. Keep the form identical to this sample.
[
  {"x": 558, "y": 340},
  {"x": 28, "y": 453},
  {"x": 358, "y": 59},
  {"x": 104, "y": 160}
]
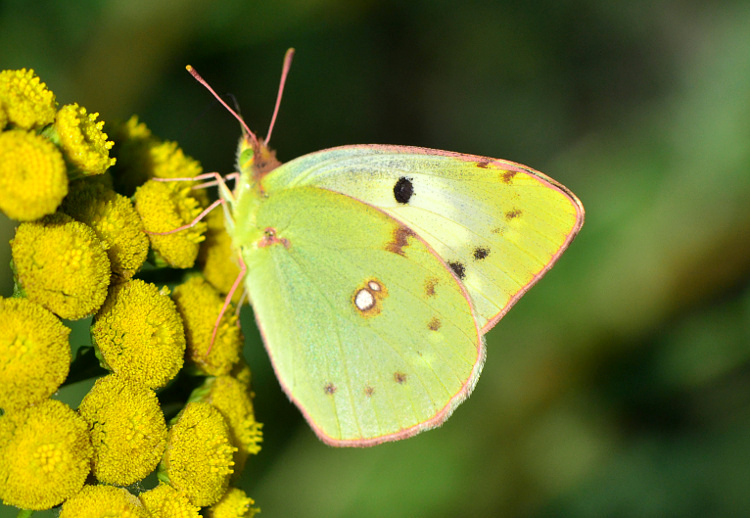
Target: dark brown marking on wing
[
  {"x": 434, "y": 324},
  {"x": 399, "y": 240},
  {"x": 507, "y": 176},
  {"x": 512, "y": 214}
]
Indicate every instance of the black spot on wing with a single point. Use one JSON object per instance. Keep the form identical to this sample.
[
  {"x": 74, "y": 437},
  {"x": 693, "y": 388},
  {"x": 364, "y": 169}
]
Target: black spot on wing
[
  {"x": 403, "y": 190},
  {"x": 481, "y": 253},
  {"x": 458, "y": 268}
]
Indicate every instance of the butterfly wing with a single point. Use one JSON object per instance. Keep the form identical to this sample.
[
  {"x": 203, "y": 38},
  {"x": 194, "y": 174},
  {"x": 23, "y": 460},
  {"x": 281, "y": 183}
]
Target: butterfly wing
[
  {"x": 369, "y": 332},
  {"x": 499, "y": 225}
]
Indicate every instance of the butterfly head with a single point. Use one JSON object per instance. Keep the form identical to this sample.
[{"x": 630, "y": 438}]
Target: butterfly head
[{"x": 254, "y": 158}]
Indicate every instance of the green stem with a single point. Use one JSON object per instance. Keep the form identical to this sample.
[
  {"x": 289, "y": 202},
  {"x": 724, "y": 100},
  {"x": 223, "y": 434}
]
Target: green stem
[{"x": 24, "y": 513}]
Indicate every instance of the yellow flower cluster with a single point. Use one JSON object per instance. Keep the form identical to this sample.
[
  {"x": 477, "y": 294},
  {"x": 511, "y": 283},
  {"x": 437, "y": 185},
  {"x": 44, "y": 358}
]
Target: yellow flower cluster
[{"x": 86, "y": 247}]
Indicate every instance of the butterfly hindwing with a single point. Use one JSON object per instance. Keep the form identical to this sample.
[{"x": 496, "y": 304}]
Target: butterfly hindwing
[
  {"x": 370, "y": 333},
  {"x": 499, "y": 225}
]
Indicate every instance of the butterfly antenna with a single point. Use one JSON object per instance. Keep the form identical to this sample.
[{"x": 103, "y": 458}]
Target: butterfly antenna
[
  {"x": 202, "y": 81},
  {"x": 284, "y": 72}
]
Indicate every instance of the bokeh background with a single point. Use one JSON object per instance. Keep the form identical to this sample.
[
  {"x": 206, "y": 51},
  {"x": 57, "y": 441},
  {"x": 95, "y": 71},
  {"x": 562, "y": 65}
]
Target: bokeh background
[{"x": 620, "y": 385}]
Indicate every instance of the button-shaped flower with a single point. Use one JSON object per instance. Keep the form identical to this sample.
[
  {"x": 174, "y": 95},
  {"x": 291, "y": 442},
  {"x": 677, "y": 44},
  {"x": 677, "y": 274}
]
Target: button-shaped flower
[
  {"x": 26, "y": 101},
  {"x": 84, "y": 144},
  {"x": 100, "y": 501},
  {"x": 164, "y": 501},
  {"x": 60, "y": 264},
  {"x": 34, "y": 353},
  {"x": 234, "y": 400},
  {"x": 33, "y": 179},
  {"x": 139, "y": 334},
  {"x": 128, "y": 431},
  {"x": 198, "y": 458},
  {"x": 45, "y": 455},
  {"x": 234, "y": 504}
]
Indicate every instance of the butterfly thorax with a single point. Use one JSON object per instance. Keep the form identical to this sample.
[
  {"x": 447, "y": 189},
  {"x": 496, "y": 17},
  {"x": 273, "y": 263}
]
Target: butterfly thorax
[{"x": 254, "y": 161}]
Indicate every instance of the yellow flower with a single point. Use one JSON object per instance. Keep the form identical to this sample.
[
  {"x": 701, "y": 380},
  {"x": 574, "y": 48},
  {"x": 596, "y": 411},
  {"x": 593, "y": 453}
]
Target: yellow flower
[
  {"x": 84, "y": 144},
  {"x": 241, "y": 372},
  {"x": 234, "y": 504},
  {"x": 33, "y": 180},
  {"x": 115, "y": 222},
  {"x": 164, "y": 501},
  {"x": 200, "y": 304},
  {"x": 25, "y": 100},
  {"x": 198, "y": 458},
  {"x": 234, "y": 400},
  {"x": 163, "y": 207},
  {"x": 34, "y": 353},
  {"x": 46, "y": 458},
  {"x": 60, "y": 264},
  {"x": 103, "y": 502},
  {"x": 139, "y": 334},
  {"x": 217, "y": 258},
  {"x": 142, "y": 156},
  {"x": 128, "y": 431}
]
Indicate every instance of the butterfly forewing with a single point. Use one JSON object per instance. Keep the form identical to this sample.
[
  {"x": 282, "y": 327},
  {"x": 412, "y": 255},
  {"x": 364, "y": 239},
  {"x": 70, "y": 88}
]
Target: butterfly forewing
[
  {"x": 369, "y": 332},
  {"x": 498, "y": 225}
]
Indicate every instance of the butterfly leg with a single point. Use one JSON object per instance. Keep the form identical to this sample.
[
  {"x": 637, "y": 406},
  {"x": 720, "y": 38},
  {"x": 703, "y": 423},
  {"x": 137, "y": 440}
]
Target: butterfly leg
[
  {"x": 192, "y": 223},
  {"x": 227, "y": 301}
]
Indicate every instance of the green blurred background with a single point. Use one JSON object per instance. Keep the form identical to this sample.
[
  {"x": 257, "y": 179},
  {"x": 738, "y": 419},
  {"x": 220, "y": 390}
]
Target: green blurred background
[{"x": 620, "y": 386}]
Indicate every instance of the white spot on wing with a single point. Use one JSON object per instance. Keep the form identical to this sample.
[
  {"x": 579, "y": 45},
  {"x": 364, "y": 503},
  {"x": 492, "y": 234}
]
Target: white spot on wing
[
  {"x": 374, "y": 286},
  {"x": 364, "y": 300}
]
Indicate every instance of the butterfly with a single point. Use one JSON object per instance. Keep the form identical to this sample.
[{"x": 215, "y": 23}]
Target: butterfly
[{"x": 375, "y": 271}]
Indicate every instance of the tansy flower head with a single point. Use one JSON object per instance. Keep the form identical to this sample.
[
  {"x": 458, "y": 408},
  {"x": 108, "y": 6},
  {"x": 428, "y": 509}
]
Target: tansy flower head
[
  {"x": 241, "y": 372},
  {"x": 217, "y": 258},
  {"x": 198, "y": 458},
  {"x": 84, "y": 144},
  {"x": 139, "y": 334},
  {"x": 33, "y": 180},
  {"x": 234, "y": 504},
  {"x": 115, "y": 222},
  {"x": 60, "y": 264},
  {"x": 163, "y": 207},
  {"x": 164, "y": 501},
  {"x": 234, "y": 400},
  {"x": 103, "y": 501},
  {"x": 25, "y": 100},
  {"x": 200, "y": 304},
  {"x": 34, "y": 353},
  {"x": 128, "y": 431},
  {"x": 142, "y": 156},
  {"x": 46, "y": 458}
]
